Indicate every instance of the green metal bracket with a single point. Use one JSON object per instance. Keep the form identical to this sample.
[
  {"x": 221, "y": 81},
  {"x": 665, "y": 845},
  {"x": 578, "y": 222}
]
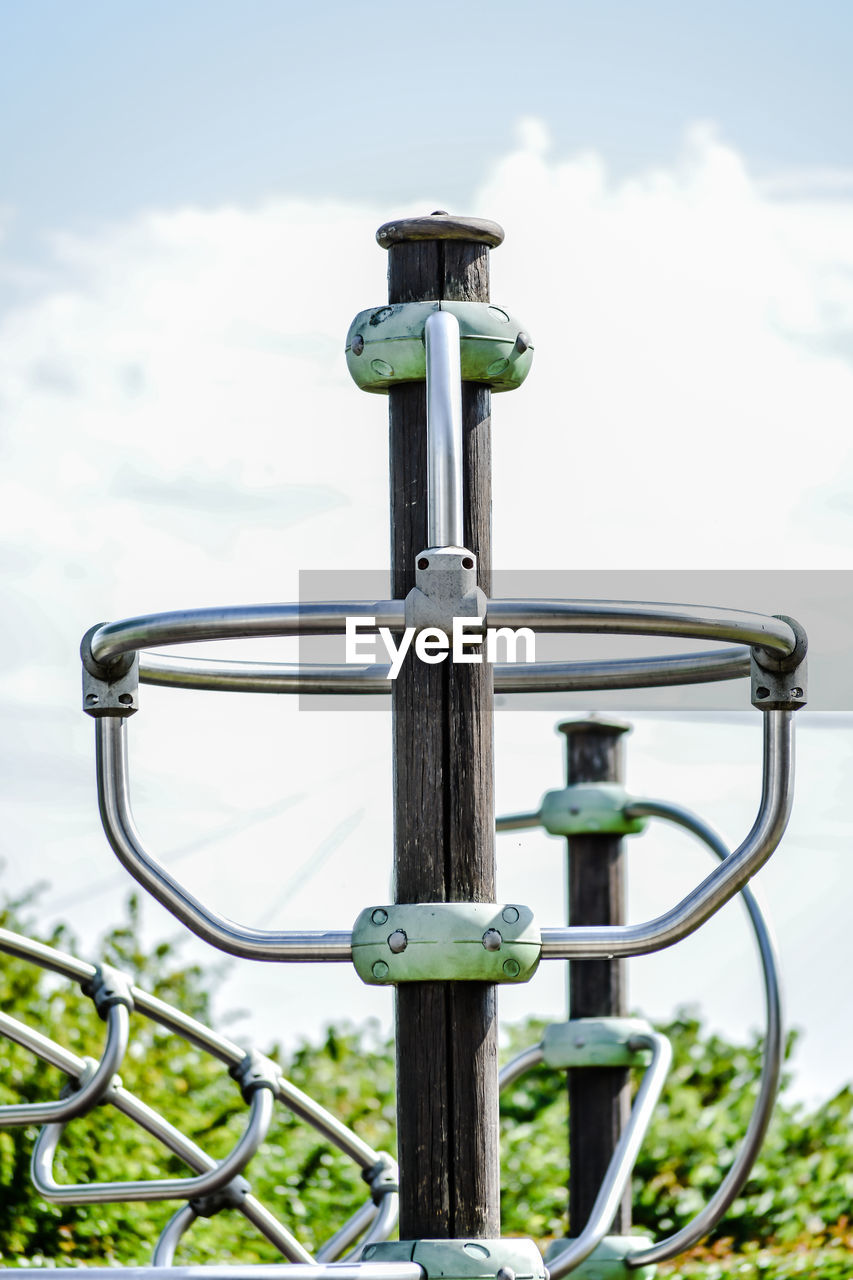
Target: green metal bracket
[
  {"x": 596, "y": 1042},
  {"x": 445, "y": 942},
  {"x": 607, "y": 1261},
  {"x": 589, "y": 808},
  {"x": 464, "y": 1259},
  {"x": 385, "y": 345}
]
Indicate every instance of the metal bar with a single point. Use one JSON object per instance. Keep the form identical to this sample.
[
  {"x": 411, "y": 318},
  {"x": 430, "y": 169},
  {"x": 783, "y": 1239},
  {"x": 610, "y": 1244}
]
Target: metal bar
[
  {"x": 771, "y": 1065},
  {"x": 624, "y": 1158},
  {"x": 239, "y": 622},
  {"x": 327, "y": 1124},
  {"x": 247, "y": 1271},
  {"x": 445, "y": 522},
  {"x": 88, "y": 1094},
  {"x": 176, "y": 672},
  {"x": 260, "y": 1115},
  {"x": 517, "y": 822},
  {"x": 716, "y": 889},
  {"x": 346, "y": 1235},
  {"x": 44, "y": 1048},
  {"x": 386, "y": 1220},
  {"x": 526, "y": 1060},
  {"x": 236, "y": 939},
  {"x": 179, "y": 1223},
  {"x": 630, "y": 617}
]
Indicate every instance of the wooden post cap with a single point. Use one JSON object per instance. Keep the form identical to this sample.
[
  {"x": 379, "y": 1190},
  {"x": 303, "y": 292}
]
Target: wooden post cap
[{"x": 440, "y": 226}]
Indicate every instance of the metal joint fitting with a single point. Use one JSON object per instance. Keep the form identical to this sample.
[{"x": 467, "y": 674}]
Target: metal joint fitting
[
  {"x": 90, "y": 1066},
  {"x": 385, "y": 345},
  {"x": 109, "y": 689},
  {"x": 445, "y": 589},
  {"x": 609, "y": 1260},
  {"x": 446, "y": 942},
  {"x": 231, "y": 1196},
  {"x": 254, "y": 1071},
  {"x": 107, "y": 987},
  {"x": 780, "y": 681},
  {"x": 383, "y": 1178},
  {"x": 596, "y": 1042},
  {"x": 589, "y": 808},
  {"x": 464, "y": 1259}
]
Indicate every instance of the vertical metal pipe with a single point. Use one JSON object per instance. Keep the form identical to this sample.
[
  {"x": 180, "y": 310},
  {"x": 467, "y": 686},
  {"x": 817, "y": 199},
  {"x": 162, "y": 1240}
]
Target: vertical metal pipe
[{"x": 444, "y": 431}]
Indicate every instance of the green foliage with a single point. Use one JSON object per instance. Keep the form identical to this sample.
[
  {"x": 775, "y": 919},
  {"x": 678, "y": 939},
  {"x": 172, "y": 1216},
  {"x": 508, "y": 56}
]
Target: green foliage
[{"x": 789, "y": 1221}]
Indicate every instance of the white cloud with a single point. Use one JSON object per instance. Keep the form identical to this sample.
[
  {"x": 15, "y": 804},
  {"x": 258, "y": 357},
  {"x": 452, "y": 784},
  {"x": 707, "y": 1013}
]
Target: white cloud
[{"x": 179, "y": 429}]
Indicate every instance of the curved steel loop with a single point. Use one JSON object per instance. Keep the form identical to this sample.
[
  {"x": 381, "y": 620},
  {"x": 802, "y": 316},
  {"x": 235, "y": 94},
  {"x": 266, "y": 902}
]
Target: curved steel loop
[
  {"x": 771, "y": 1065},
  {"x": 96, "y": 1077},
  {"x": 601, "y": 617},
  {"x": 177, "y": 1226},
  {"x": 347, "y": 1234},
  {"x": 176, "y": 672},
  {"x": 590, "y": 941},
  {"x": 117, "y": 819},
  {"x": 260, "y": 1115},
  {"x": 519, "y": 1066},
  {"x": 238, "y": 622}
]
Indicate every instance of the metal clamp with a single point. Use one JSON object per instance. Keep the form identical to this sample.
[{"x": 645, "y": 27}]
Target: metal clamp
[
  {"x": 445, "y": 589},
  {"x": 383, "y": 1178},
  {"x": 385, "y": 345},
  {"x": 255, "y": 1072},
  {"x": 464, "y": 1259},
  {"x": 445, "y": 942},
  {"x": 780, "y": 681},
  {"x": 589, "y": 808},
  {"x": 231, "y": 1196},
  {"x": 597, "y": 1042},
  {"x": 109, "y": 688},
  {"x": 609, "y": 1260},
  {"x": 108, "y": 987}
]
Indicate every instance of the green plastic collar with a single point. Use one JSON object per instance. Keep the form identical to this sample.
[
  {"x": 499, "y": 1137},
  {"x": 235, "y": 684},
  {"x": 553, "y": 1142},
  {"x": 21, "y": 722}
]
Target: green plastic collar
[
  {"x": 595, "y": 1042},
  {"x": 445, "y": 942},
  {"x": 589, "y": 808},
  {"x": 385, "y": 345},
  {"x": 607, "y": 1261},
  {"x": 463, "y": 1259}
]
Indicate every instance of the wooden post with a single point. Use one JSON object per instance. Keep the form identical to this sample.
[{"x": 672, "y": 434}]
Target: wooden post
[
  {"x": 444, "y": 838},
  {"x": 599, "y": 1098}
]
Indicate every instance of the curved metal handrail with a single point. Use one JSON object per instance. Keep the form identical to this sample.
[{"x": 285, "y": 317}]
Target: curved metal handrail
[
  {"x": 93, "y": 1081},
  {"x": 592, "y": 941},
  {"x": 771, "y": 1066}
]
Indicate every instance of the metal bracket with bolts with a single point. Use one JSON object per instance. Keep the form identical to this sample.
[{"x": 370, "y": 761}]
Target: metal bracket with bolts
[
  {"x": 589, "y": 808},
  {"x": 109, "y": 689},
  {"x": 780, "y": 683},
  {"x": 608, "y": 1261},
  {"x": 445, "y": 589},
  {"x": 464, "y": 1259},
  {"x": 445, "y": 942},
  {"x": 596, "y": 1042}
]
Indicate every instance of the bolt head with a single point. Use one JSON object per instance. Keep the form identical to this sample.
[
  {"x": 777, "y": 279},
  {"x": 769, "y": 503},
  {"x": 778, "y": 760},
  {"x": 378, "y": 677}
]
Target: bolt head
[
  {"x": 510, "y": 914},
  {"x": 379, "y": 916},
  {"x": 505, "y": 1273},
  {"x": 379, "y": 969},
  {"x": 492, "y": 940},
  {"x": 511, "y": 967},
  {"x": 397, "y": 941},
  {"x": 357, "y": 345}
]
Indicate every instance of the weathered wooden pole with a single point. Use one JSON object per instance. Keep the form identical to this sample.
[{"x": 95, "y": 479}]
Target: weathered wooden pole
[
  {"x": 599, "y": 1097},
  {"x": 443, "y": 785}
]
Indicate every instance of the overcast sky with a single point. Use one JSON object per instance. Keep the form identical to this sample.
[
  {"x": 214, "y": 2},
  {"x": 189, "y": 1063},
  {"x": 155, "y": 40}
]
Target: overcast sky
[{"x": 188, "y": 200}]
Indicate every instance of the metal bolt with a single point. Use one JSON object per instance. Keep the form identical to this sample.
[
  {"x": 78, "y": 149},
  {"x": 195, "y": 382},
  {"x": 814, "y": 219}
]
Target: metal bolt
[
  {"x": 379, "y": 916},
  {"x": 369, "y": 1251},
  {"x": 512, "y": 968},
  {"x": 504, "y": 1273},
  {"x": 492, "y": 940},
  {"x": 380, "y": 969},
  {"x": 796, "y": 692},
  {"x": 397, "y": 941},
  {"x": 357, "y": 345},
  {"x": 522, "y": 342},
  {"x": 510, "y": 914}
]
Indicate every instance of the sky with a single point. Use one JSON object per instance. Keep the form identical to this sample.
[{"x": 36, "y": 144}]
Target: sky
[{"x": 188, "y": 200}]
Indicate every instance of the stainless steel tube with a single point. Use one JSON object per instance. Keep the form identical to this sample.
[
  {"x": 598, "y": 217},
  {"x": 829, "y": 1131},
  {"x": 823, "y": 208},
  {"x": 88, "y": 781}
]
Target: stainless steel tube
[
  {"x": 589, "y": 941},
  {"x": 630, "y": 617},
  {"x": 445, "y": 526},
  {"x": 771, "y": 1065},
  {"x": 260, "y": 1115},
  {"x": 88, "y": 1094},
  {"x": 386, "y": 1221},
  {"x": 250, "y": 1271},
  {"x": 517, "y": 822},
  {"x": 352, "y": 1229},
  {"x": 117, "y": 819},
  {"x": 519, "y": 1066},
  {"x": 327, "y": 1124},
  {"x": 239, "y": 622},
  {"x": 623, "y": 1160},
  {"x": 666, "y": 670},
  {"x": 179, "y": 1223}
]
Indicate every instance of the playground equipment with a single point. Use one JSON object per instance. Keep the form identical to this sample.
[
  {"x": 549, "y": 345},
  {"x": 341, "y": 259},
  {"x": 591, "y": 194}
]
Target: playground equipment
[{"x": 436, "y": 349}]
